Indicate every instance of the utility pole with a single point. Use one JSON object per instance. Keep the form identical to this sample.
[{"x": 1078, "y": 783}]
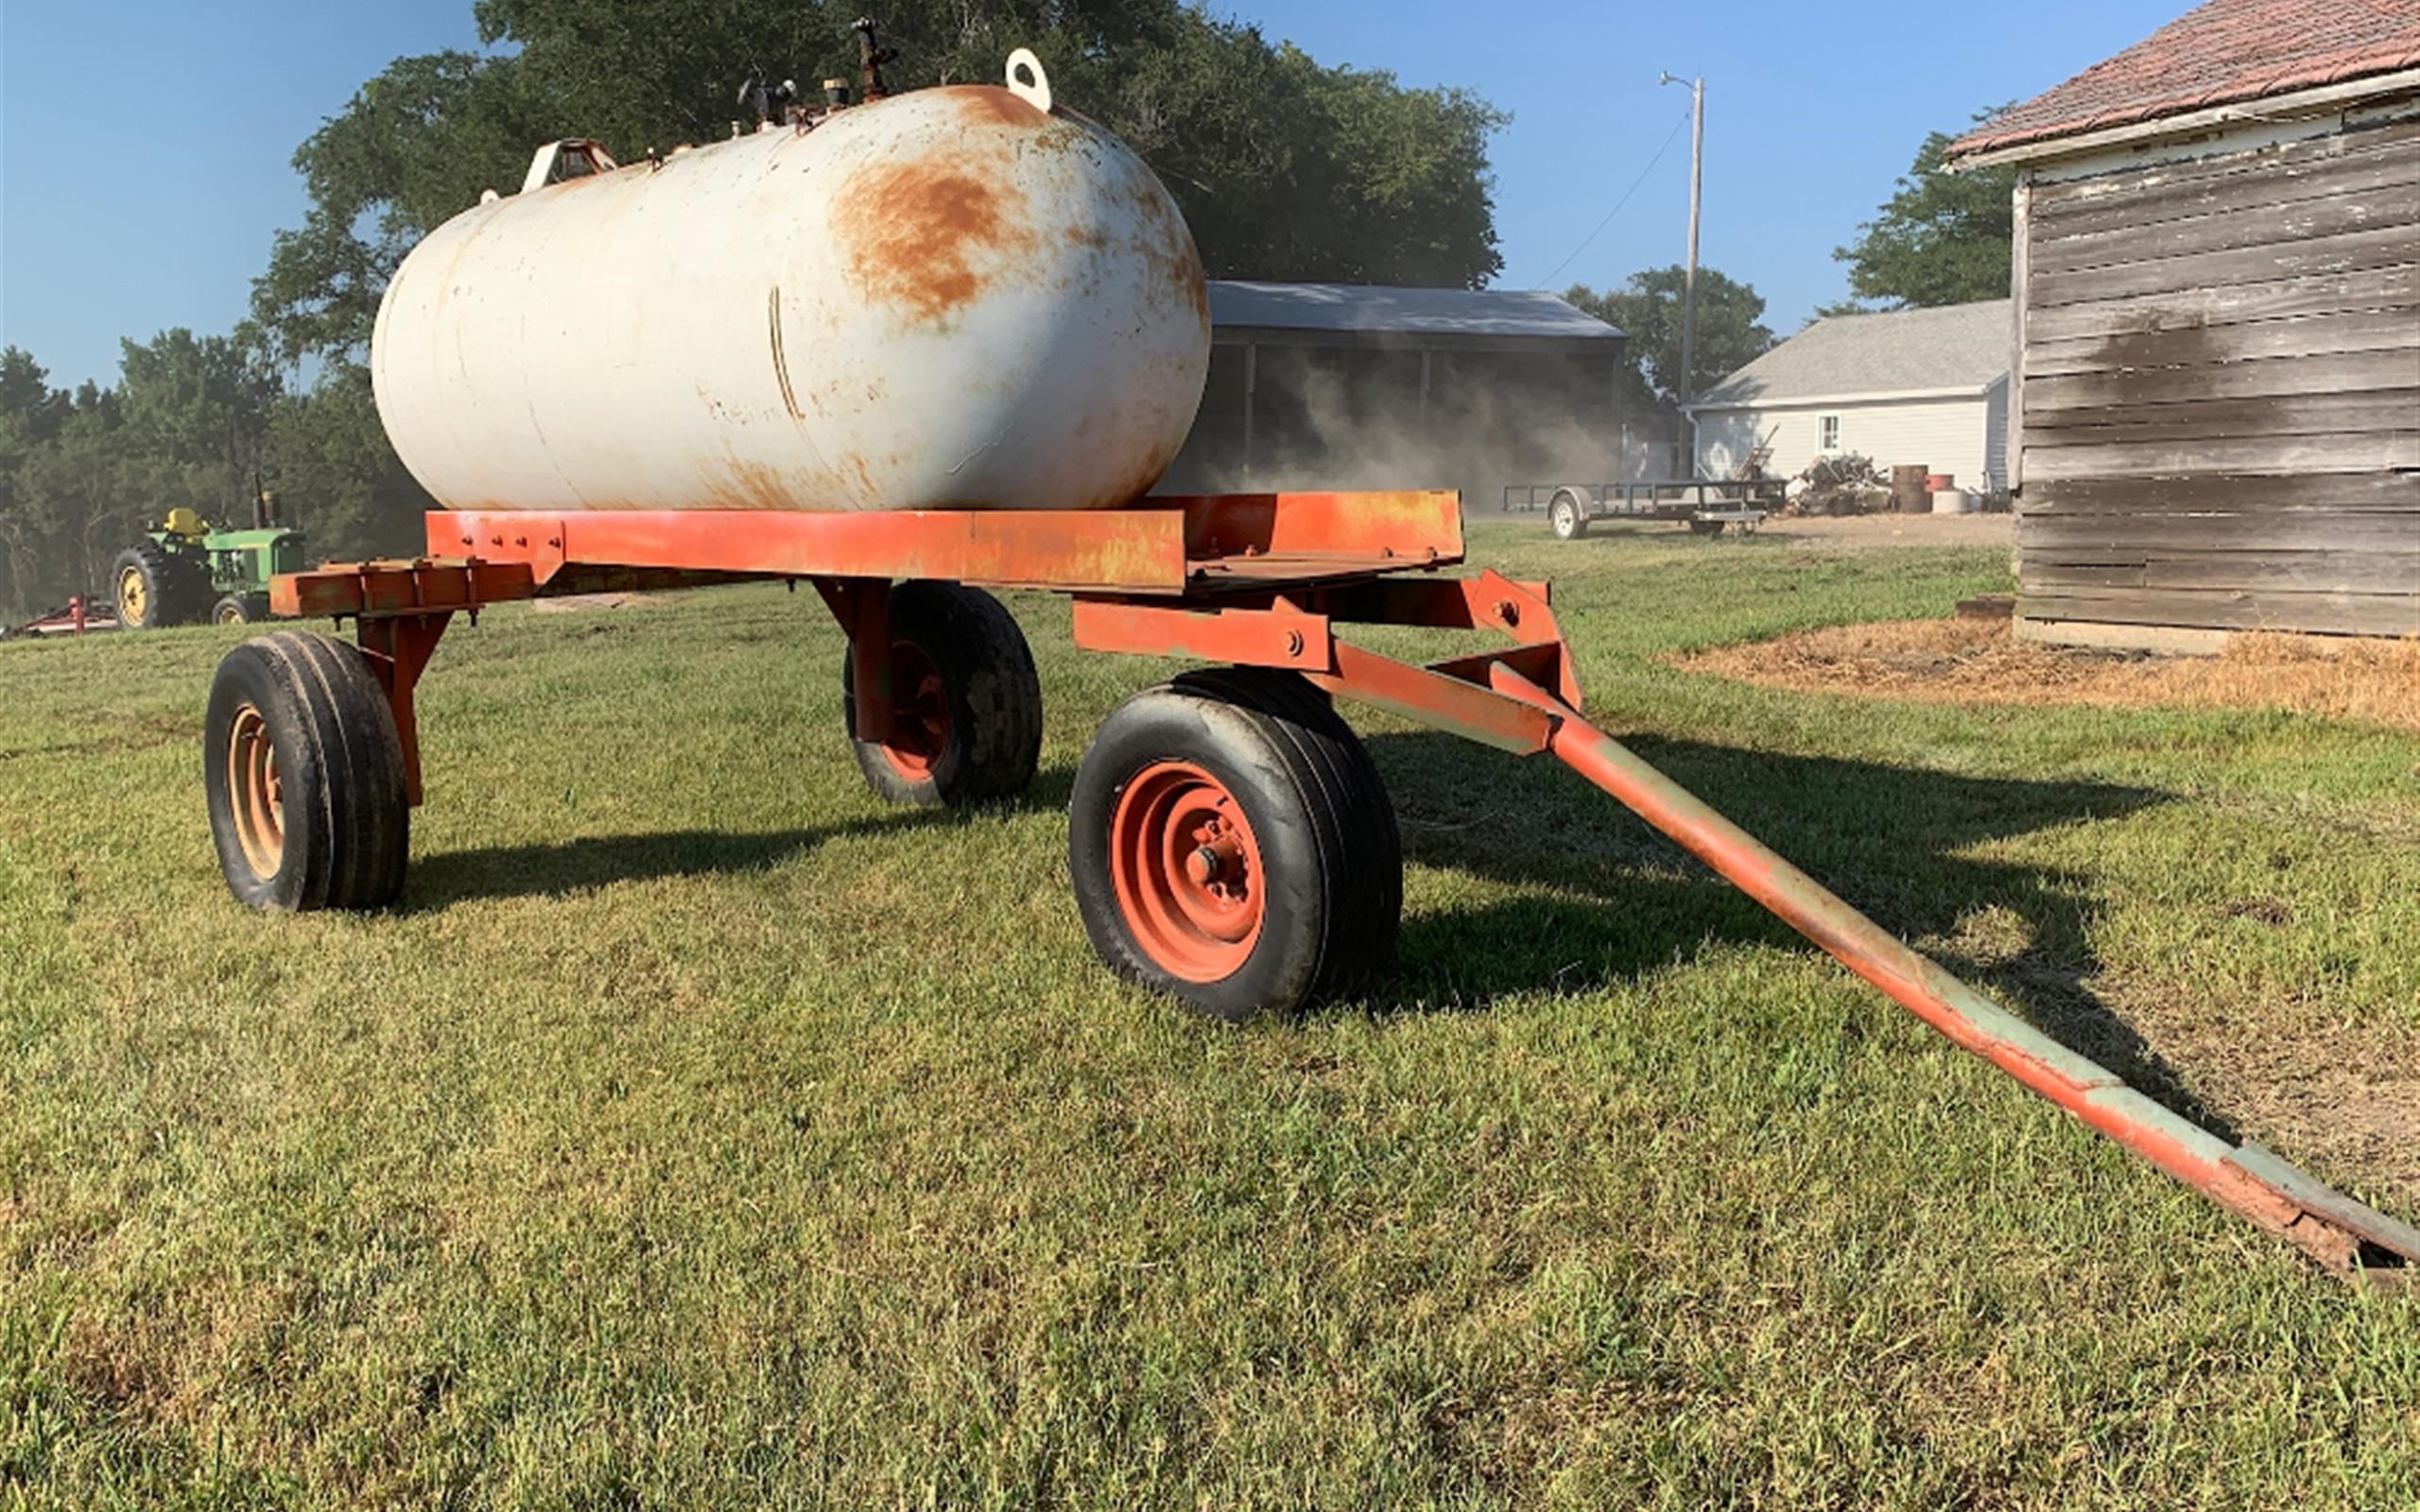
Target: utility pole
[{"x": 1690, "y": 279}]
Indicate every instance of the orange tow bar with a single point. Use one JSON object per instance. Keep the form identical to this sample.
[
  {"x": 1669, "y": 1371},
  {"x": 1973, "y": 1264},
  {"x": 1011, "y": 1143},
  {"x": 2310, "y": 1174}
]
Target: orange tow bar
[{"x": 2340, "y": 1234}]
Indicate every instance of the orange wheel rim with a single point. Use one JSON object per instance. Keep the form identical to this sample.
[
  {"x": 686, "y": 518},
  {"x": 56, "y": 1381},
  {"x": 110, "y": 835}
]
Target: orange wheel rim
[
  {"x": 1186, "y": 870},
  {"x": 918, "y": 712},
  {"x": 256, "y": 794}
]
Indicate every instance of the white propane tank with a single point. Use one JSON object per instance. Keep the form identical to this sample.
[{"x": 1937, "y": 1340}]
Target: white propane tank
[{"x": 952, "y": 298}]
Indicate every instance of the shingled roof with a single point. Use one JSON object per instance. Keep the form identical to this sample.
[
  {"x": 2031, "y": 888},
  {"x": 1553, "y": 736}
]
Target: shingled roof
[
  {"x": 2228, "y": 52},
  {"x": 1948, "y": 348}
]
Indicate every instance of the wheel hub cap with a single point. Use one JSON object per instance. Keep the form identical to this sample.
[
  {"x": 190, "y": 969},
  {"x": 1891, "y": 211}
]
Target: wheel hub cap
[
  {"x": 255, "y": 792},
  {"x": 918, "y": 712},
  {"x": 1186, "y": 870}
]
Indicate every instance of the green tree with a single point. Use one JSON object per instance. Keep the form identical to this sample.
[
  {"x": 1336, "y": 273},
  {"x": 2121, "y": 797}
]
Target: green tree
[
  {"x": 1940, "y": 238},
  {"x": 188, "y": 424},
  {"x": 197, "y": 418},
  {"x": 335, "y": 474},
  {"x": 1731, "y": 332},
  {"x": 1285, "y": 168},
  {"x": 60, "y": 473}
]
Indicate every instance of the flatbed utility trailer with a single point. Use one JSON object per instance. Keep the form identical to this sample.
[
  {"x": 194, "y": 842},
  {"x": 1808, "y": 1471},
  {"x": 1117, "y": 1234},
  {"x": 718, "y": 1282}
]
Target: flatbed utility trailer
[
  {"x": 1705, "y": 506},
  {"x": 1229, "y": 839}
]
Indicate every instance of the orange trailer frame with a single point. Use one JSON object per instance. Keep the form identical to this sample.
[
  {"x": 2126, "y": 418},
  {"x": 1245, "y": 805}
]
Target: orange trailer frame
[{"x": 1264, "y": 580}]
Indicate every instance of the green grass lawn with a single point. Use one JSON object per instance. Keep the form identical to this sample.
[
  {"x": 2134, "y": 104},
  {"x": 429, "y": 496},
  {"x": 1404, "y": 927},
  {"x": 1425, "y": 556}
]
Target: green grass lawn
[{"x": 700, "y": 1134}]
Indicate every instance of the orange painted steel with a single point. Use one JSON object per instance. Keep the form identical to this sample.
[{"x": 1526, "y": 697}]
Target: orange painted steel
[
  {"x": 2340, "y": 1234},
  {"x": 1263, "y": 580},
  {"x": 343, "y": 589},
  {"x": 1187, "y": 868},
  {"x": 919, "y": 727},
  {"x": 1162, "y": 547}
]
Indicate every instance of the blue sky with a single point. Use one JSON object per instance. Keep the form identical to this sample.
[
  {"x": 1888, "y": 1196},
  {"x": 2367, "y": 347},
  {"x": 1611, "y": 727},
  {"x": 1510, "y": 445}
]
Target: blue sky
[{"x": 145, "y": 145}]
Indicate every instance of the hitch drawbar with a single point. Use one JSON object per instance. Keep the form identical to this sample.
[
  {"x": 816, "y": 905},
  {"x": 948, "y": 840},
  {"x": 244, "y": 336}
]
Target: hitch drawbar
[{"x": 2340, "y": 1234}]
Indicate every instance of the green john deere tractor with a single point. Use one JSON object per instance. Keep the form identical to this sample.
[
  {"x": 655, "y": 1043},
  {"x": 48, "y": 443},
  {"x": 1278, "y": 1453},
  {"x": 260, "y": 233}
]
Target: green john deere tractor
[{"x": 184, "y": 572}]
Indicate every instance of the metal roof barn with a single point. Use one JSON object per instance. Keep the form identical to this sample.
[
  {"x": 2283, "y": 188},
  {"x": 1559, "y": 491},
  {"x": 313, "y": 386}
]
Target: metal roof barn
[{"x": 1335, "y": 386}]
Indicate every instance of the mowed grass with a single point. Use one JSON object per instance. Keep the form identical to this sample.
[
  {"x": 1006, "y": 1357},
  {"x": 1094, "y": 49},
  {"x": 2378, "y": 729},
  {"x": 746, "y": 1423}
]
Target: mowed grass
[{"x": 700, "y": 1134}]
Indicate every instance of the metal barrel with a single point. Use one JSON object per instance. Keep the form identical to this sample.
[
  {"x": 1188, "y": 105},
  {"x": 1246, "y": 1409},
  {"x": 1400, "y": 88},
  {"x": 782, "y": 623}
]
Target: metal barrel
[{"x": 949, "y": 299}]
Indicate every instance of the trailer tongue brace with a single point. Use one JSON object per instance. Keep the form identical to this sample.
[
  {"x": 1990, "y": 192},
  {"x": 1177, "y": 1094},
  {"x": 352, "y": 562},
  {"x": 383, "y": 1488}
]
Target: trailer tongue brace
[
  {"x": 2340, "y": 1234},
  {"x": 1524, "y": 699}
]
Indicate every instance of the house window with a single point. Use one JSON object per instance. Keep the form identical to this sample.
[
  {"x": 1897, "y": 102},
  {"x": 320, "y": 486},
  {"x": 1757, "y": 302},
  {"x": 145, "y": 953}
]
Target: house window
[{"x": 1831, "y": 433}]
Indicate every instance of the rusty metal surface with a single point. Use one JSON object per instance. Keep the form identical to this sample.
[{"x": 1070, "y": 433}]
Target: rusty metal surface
[
  {"x": 2332, "y": 1228},
  {"x": 1524, "y": 698},
  {"x": 398, "y": 646},
  {"x": 375, "y": 589},
  {"x": 1407, "y": 528},
  {"x": 948, "y": 298},
  {"x": 1278, "y": 636},
  {"x": 1169, "y": 546}
]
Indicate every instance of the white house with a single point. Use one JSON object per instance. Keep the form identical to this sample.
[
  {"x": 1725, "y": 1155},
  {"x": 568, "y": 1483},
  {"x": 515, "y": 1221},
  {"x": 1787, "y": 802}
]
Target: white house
[{"x": 1909, "y": 386}]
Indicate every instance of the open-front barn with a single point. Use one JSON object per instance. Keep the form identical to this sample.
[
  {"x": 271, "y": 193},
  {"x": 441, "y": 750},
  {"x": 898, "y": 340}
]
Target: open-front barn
[{"x": 2216, "y": 356}]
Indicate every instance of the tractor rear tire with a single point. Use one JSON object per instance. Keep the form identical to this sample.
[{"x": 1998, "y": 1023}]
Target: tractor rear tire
[
  {"x": 304, "y": 773},
  {"x": 966, "y": 722},
  {"x": 152, "y": 588},
  {"x": 1232, "y": 846},
  {"x": 1566, "y": 516},
  {"x": 240, "y": 609}
]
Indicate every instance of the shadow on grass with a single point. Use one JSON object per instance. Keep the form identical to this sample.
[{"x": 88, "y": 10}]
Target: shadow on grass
[
  {"x": 440, "y": 879},
  {"x": 1886, "y": 838}
]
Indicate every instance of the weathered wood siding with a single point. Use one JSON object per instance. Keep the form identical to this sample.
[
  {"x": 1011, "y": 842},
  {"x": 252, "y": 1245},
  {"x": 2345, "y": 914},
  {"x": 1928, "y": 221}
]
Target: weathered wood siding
[{"x": 2219, "y": 411}]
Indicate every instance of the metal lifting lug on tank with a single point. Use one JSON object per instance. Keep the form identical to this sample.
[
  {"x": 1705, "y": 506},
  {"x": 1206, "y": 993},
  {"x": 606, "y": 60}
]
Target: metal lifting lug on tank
[{"x": 947, "y": 337}]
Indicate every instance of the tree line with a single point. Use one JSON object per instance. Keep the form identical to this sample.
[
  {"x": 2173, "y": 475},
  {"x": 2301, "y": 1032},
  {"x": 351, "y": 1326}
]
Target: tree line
[{"x": 1286, "y": 168}]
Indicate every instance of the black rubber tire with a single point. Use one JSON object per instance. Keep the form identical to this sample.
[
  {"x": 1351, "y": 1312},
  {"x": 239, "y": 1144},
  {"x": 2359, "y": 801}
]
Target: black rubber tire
[
  {"x": 175, "y": 590},
  {"x": 994, "y": 740},
  {"x": 346, "y": 824},
  {"x": 1332, "y": 859},
  {"x": 1566, "y": 516},
  {"x": 1372, "y": 846},
  {"x": 1706, "y": 527},
  {"x": 240, "y": 609}
]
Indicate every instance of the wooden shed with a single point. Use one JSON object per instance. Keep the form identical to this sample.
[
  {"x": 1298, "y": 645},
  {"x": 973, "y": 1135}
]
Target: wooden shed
[{"x": 2217, "y": 345}]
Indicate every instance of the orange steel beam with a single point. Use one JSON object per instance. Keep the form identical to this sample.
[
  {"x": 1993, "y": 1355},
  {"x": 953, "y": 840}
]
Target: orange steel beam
[
  {"x": 1278, "y": 636},
  {"x": 2340, "y": 1234},
  {"x": 383, "y": 588},
  {"x": 397, "y": 647},
  {"x": 1164, "y": 548},
  {"x": 1501, "y": 699}
]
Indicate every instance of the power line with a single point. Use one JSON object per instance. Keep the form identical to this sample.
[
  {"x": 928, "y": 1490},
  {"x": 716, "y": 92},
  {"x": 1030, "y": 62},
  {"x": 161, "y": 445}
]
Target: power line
[{"x": 1679, "y": 121}]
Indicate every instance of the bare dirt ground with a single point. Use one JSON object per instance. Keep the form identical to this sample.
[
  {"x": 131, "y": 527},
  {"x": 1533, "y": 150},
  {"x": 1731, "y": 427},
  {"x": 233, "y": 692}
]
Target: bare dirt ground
[
  {"x": 1877, "y": 531},
  {"x": 1979, "y": 662}
]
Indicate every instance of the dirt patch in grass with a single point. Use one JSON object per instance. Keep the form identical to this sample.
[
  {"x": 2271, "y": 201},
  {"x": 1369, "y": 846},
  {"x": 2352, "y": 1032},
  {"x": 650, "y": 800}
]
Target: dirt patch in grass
[{"x": 1971, "y": 661}]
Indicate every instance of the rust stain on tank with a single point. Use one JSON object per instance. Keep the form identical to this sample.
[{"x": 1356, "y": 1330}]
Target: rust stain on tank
[
  {"x": 749, "y": 486},
  {"x": 991, "y": 105},
  {"x": 1168, "y": 243},
  {"x": 855, "y": 467},
  {"x": 929, "y": 236},
  {"x": 1187, "y": 270}
]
